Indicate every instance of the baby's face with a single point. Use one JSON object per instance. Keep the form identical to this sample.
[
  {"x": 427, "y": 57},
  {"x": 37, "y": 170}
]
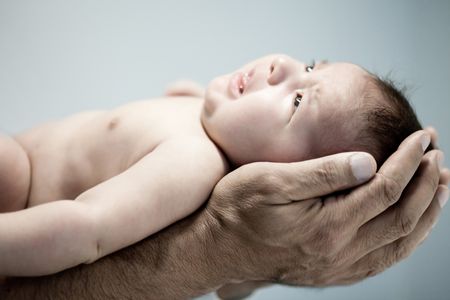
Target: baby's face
[{"x": 280, "y": 109}]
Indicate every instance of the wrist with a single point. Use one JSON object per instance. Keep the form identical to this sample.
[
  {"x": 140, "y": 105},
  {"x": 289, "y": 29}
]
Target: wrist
[
  {"x": 220, "y": 251},
  {"x": 216, "y": 252},
  {"x": 234, "y": 254},
  {"x": 194, "y": 261}
]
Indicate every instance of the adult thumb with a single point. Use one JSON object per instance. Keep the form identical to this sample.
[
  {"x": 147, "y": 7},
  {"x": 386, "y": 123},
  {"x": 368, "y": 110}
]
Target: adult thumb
[{"x": 328, "y": 174}]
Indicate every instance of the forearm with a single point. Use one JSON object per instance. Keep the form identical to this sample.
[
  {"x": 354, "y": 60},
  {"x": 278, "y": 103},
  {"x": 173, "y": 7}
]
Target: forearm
[
  {"x": 178, "y": 262},
  {"x": 45, "y": 239}
]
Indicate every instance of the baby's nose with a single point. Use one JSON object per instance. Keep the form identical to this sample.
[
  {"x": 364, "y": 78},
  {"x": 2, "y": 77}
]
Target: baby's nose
[{"x": 277, "y": 70}]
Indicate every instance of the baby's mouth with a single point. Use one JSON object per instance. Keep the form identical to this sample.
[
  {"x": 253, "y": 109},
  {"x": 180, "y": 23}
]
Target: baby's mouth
[
  {"x": 239, "y": 82},
  {"x": 244, "y": 80}
]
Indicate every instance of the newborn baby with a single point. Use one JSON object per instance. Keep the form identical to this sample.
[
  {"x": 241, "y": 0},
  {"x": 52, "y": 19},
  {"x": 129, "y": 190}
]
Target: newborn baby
[{"x": 99, "y": 181}]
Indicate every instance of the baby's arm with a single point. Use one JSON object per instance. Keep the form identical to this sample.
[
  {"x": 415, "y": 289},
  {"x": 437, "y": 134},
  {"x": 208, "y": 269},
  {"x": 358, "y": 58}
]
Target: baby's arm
[{"x": 163, "y": 187}]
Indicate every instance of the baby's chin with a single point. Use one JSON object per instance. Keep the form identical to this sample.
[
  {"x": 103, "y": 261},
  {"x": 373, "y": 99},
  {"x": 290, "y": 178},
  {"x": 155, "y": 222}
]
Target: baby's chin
[
  {"x": 215, "y": 94},
  {"x": 209, "y": 105},
  {"x": 218, "y": 85}
]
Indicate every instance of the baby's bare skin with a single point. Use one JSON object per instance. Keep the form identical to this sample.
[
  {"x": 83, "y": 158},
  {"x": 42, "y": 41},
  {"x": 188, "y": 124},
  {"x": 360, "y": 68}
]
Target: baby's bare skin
[
  {"x": 71, "y": 155},
  {"x": 107, "y": 179}
]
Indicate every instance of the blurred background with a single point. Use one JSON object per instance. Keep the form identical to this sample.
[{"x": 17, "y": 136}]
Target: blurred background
[{"x": 61, "y": 57}]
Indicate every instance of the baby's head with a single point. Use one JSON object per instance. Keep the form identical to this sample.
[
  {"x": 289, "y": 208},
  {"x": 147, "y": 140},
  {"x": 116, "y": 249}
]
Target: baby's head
[{"x": 283, "y": 110}]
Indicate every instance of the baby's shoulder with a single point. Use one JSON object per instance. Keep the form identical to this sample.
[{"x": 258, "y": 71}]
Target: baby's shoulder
[
  {"x": 200, "y": 151},
  {"x": 198, "y": 146}
]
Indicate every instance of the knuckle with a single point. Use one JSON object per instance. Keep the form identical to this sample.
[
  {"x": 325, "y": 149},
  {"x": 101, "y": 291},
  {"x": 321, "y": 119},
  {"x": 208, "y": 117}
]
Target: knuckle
[
  {"x": 389, "y": 189},
  {"x": 256, "y": 179},
  {"x": 405, "y": 224},
  {"x": 401, "y": 251},
  {"x": 429, "y": 173},
  {"x": 326, "y": 174},
  {"x": 432, "y": 182},
  {"x": 268, "y": 182},
  {"x": 270, "y": 179}
]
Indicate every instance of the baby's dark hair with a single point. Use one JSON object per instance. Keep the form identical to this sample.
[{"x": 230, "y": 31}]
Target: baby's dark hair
[{"x": 387, "y": 120}]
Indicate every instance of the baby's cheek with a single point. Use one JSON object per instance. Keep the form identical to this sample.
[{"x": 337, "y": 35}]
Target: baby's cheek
[{"x": 331, "y": 143}]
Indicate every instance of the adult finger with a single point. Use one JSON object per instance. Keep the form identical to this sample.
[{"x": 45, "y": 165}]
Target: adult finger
[
  {"x": 384, "y": 257},
  {"x": 445, "y": 172},
  {"x": 322, "y": 176},
  {"x": 434, "y": 136},
  {"x": 369, "y": 200},
  {"x": 445, "y": 177},
  {"x": 399, "y": 220}
]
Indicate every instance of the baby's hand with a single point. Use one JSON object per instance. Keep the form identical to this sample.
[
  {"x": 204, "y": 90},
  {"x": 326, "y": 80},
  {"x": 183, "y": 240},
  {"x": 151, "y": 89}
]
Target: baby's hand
[{"x": 185, "y": 88}]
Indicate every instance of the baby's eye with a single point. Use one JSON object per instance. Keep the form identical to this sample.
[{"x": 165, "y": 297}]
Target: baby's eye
[
  {"x": 310, "y": 67},
  {"x": 298, "y": 99}
]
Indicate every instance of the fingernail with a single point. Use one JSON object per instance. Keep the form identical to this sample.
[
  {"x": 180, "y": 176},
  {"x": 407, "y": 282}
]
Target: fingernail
[
  {"x": 425, "y": 141},
  {"x": 443, "y": 198},
  {"x": 362, "y": 166}
]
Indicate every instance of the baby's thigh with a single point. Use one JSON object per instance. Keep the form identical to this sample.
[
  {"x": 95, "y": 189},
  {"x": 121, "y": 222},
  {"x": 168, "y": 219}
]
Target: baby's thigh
[{"x": 15, "y": 175}]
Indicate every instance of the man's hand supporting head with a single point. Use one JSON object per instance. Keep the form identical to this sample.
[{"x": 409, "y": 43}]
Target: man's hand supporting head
[{"x": 297, "y": 224}]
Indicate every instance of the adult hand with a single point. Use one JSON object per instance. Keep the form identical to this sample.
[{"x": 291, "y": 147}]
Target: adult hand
[
  {"x": 274, "y": 224},
  {"x": 271, "y": 222},
  {"x": 445, "y": 173}
]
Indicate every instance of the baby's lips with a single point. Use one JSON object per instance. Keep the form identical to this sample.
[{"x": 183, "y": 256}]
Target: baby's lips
[
  {"x": 233, "y": 85},
  {"x": 246, "y": 79}
]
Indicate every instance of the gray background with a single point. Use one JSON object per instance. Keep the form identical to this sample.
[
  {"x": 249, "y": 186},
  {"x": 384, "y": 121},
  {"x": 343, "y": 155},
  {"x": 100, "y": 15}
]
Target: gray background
[{"x": 60, "y": 57}]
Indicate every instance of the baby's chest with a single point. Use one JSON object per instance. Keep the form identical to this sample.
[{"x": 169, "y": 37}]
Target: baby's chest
[{"x": 77, "y": 153}]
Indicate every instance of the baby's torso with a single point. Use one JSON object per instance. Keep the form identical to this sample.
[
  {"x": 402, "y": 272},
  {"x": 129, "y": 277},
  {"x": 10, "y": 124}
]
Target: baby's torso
[{"x": 71, "y": 155}]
